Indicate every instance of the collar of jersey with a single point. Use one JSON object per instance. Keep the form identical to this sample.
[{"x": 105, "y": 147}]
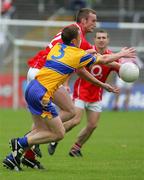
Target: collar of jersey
[{"x": 71, "y": 44}]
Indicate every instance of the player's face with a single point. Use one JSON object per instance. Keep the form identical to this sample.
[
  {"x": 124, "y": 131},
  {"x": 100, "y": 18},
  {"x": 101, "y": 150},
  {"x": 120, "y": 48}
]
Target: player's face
[
  {"x": 101, "y": 40},
  {"x": 89, "y": 24}
]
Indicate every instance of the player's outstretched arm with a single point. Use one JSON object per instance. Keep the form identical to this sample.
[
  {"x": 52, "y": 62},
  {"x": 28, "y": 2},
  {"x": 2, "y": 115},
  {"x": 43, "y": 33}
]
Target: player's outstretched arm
[
  {"x": 83, "y": 73},
  {"x": 114, "y": 64},
  {"x": 108, "y": 58}
]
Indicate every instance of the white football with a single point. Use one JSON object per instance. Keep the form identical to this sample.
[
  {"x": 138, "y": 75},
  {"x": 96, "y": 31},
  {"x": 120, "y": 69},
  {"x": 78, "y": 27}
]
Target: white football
[{"x": 129, "y": 72}]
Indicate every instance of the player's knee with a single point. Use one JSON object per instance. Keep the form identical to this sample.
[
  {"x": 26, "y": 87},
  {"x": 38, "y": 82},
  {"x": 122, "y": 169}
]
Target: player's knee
[
  {"x": 76, "y": 121},
  {"x": 72, "y": 112},
  {"x": 60, "y": 134},
  {"x": 92, "y": 127}
]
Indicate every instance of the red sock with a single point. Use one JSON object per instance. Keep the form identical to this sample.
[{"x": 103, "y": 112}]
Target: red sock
[
  {"x": 29, "y": 154},
  {"x": 76, "y": 146}
]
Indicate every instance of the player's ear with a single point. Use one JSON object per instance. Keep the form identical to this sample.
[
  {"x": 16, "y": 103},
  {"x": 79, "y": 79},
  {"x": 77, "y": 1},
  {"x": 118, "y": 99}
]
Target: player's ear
[
  {"x": 83, "y": 20},
  {"x": 73, "y": 41}
]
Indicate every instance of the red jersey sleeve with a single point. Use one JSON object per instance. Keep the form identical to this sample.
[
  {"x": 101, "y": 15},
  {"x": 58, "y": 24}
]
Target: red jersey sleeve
[{"x": 39, "y": 59}]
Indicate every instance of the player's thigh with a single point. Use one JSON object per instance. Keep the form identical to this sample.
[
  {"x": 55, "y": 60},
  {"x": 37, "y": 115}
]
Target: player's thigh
[
  {"x": 55, "y": 124},
  {"x": 39, "y": 123},
  {"x": 92, "y": 118},
  {"x": 79, "y": 109},
  {"x": 62, "y": 99},
  {"x": 78, "y": 115},
  {"x": 93, "y": 112}
]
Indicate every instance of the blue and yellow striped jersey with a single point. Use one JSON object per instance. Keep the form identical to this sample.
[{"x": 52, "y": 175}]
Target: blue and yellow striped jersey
[{"x": 62, "y": 60}]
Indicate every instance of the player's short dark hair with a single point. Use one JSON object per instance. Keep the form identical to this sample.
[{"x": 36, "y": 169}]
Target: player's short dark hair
[
  {"x": 84, "y": 13},
  {"x": 101, "y": 31},
  {"x": 69, "y": 33}
]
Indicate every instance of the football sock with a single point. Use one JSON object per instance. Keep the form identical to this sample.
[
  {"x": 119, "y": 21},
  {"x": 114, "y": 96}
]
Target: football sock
[
  {"x": 76, "y": 146},
  {"x": 23, "y": 142},
  {"x": 29, "y": 154}
]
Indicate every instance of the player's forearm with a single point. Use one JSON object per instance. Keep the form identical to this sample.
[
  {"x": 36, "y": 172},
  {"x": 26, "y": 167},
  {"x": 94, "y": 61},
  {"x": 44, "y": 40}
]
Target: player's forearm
[
  {"x": 83, "y": 73},
  {"x": 109, "y": 58},
  {"x": 87, "y": 76},
  {"x": 125, "y": 52},
  {"x": 115, "y": 65}
]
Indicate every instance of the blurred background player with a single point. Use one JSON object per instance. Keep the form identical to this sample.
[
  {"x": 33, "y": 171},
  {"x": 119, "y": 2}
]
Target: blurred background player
[
  {"x": 88, "y": 97},
  {"x": 126, "y": 89}
]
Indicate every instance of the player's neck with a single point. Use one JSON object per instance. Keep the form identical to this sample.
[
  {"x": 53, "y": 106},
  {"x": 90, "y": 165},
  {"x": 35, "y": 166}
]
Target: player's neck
[{"x": 100, "y": 50}]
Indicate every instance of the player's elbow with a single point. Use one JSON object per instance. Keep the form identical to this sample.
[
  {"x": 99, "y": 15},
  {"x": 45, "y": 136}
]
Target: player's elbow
[
  {"x": 106, "y": 59},
  {"x": 102, "y": 60}
]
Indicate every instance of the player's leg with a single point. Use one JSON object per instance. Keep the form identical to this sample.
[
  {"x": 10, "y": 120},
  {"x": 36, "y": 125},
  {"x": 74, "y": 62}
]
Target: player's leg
[
  {"x": 63, "y": 100},
  {"x": 29, "y": 159},
  {"x": 119, "y": 84},
  {"x": 93, "y": 114},
  {"x": 127, "y": 96},
  {"x": 115, "y": 106},
  {"x": 70, "y": 124},
  {"x": 45, "y": 131},
  {"x": 12, "y": 161}
]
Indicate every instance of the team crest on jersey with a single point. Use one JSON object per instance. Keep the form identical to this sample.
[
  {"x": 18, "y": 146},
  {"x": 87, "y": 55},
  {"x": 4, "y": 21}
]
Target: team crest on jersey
[{"x": 96, "y": 70}]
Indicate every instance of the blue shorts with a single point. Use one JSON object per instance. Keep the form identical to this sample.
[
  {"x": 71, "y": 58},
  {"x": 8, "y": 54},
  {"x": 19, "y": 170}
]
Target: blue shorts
[{"x": 33, "y": 95}]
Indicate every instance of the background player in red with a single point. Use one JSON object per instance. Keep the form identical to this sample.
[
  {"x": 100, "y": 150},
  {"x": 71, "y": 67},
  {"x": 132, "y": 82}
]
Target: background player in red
[
  {"x": 86, "y": 21},
  {"x": 88, "y": 97}
]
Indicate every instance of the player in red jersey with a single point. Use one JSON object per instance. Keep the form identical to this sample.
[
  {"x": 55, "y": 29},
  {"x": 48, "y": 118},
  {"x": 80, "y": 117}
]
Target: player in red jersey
[{"x": 88, "y": 97}]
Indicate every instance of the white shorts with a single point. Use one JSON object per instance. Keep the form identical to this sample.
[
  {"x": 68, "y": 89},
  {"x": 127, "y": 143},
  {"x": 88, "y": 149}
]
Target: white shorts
[
  {"x": 122, "y": 84},
  {"x": 31, "y": 74},
  {"x": 95, "y": 106}
]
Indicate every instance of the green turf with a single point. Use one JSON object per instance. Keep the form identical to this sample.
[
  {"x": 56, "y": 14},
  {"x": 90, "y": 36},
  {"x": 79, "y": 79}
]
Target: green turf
[{"x": 114, "y": 152}]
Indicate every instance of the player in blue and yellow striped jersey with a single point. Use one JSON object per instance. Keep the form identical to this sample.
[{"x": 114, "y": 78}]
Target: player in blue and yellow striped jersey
[{"x": 62, "y": 60}]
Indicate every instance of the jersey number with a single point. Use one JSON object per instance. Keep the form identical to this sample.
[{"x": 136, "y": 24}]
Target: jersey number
[{"x": 61, "y": 50}]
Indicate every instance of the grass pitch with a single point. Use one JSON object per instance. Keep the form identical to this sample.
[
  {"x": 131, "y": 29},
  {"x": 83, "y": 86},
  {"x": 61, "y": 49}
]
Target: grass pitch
[{"x": 114, "y": 152}]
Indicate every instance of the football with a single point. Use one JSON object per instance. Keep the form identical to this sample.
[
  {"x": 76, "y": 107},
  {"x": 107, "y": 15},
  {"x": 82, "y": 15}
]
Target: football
[{"x": 129, "y": 72}]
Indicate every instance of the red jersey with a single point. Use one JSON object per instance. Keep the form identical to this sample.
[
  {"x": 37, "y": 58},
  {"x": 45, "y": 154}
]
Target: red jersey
[
  {"x": 87, "y": 91},
  {"x": 38, "y": 61}
]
